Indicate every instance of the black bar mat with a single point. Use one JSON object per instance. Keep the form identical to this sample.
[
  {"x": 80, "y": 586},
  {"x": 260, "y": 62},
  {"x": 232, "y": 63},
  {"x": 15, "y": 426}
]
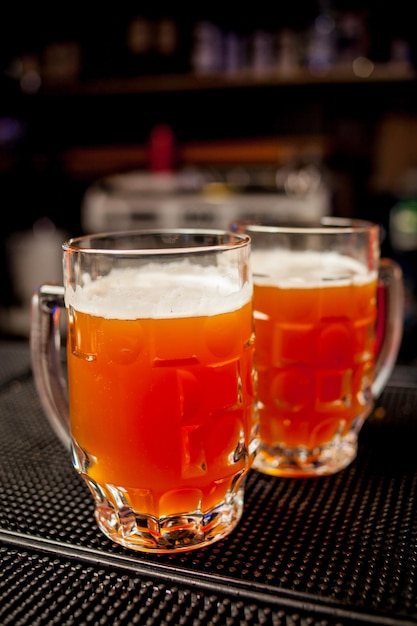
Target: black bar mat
[{"x": 328, "y": 551}]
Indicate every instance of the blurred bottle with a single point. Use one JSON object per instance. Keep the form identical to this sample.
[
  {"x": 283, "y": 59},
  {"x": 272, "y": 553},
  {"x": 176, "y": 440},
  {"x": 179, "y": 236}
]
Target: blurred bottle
[
  {"x": 207, "y": 48},
  {"x": 234, "y": 45},
  {"x": 288, "y": 51},
  {"x": 321, "y": 50},
  {"x": 353, "y": 37},
  {"x": 140, "y": 39},
  {"x": 262, "y": 51},
  {"x": 166, "y": 42}
]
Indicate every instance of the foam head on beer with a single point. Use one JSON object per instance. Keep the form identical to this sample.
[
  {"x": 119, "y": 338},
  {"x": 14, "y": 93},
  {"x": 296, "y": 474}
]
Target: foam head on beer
[
  {"x": 287, "y": 269},
  {"x": 179, "y": 289}
]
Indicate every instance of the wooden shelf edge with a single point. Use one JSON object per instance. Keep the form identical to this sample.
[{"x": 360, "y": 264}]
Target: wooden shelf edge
[
  {"x": 95, "y": 161},
  {"x": 383, "y": 72}
]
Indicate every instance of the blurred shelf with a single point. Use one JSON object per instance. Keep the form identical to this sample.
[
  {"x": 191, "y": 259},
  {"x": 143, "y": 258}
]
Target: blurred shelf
[{"x": 365, "y": 73}]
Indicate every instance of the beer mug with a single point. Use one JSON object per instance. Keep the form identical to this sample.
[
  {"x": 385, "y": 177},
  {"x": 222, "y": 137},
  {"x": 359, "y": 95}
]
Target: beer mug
[
  {"x": 328, "y": 326},
  {"x": 161, "y": 415}
]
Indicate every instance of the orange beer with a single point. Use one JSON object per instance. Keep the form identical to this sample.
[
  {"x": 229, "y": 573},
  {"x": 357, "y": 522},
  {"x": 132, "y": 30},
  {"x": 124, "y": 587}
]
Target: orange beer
[
  {"x": 162, "y": 405},
  {"x": 315, "y": 352}
]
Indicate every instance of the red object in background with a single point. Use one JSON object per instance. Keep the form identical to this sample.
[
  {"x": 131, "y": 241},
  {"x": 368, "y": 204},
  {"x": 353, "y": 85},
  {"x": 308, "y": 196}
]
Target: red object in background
[{"x": 161, "y": 149}]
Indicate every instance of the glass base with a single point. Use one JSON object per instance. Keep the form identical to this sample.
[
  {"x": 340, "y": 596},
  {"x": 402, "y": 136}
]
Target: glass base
[
  {"x": 174, "y": 533},
  {"x": 301, "y": 462}
]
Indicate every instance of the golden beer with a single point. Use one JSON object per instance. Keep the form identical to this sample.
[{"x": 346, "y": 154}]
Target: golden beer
[
  {"x": 315, "y": 354},
  {"x": 162, "y": 408}
]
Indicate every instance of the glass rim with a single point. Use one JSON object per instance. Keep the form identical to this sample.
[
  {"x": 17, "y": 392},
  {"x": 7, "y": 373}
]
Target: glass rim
[
  {"x": 236, "y": 240},
  {"x": 323, "y": 226}
]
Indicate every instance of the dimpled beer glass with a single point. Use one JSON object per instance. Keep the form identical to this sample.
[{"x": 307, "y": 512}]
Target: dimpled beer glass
[
  {"x": 328, "y": 324},
  {"x": 161, "y": 383}
]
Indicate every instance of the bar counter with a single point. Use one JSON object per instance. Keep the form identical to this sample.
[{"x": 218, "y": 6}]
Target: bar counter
[{"x": 332, "y": 551}]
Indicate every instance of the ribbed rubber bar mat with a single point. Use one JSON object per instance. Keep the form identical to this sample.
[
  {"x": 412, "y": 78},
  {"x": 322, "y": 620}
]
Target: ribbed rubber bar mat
[{"x": 337, "y": 550}]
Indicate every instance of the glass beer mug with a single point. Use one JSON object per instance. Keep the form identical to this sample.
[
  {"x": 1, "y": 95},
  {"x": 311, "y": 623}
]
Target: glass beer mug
[
  {"x": 161, "y": 414},
  {"x": 328, "y": 326}
]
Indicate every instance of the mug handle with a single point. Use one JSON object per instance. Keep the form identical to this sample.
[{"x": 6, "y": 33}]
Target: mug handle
[
  {"x": 46, "y": 358},
  {"x": 390, "y": 321},
  {"x": 46, "y": 350}
]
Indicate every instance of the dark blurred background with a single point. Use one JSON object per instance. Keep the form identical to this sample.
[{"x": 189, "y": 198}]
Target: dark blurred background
[{"x": 236, "y": 100}]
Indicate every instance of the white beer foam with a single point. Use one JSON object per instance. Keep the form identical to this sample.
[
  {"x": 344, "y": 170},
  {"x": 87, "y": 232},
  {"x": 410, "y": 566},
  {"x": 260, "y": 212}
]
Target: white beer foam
[
  {"x": 291, "y": 269},
  {"x": 180, "y": 289}
]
